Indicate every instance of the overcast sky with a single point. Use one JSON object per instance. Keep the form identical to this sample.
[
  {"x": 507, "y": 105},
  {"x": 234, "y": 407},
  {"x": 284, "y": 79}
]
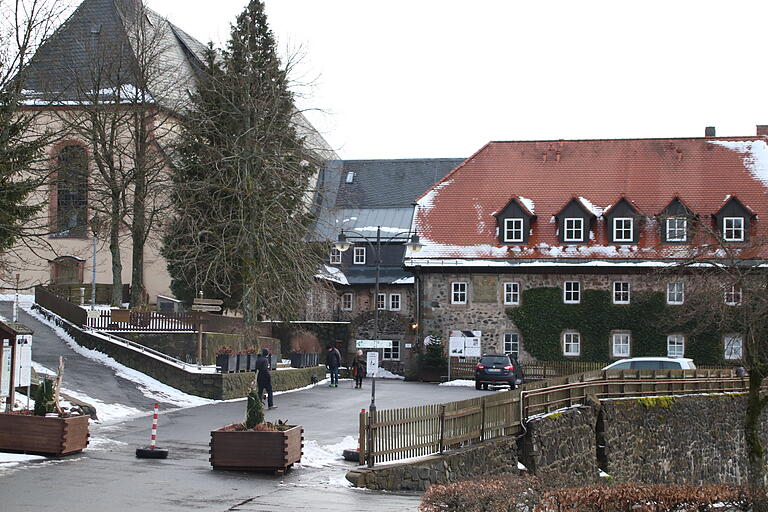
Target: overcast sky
[{"x": 429, "y": 78}]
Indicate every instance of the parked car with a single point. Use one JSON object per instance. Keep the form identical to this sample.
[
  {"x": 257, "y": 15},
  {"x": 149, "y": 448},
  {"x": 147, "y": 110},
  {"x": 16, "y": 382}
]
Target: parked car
[
  {"x": 652, "y": 363},
  {"x": 498, "y": 369}
]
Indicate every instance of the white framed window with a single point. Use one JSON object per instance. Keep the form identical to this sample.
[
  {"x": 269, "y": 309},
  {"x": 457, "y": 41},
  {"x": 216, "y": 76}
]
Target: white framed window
[
  {"x": 459, "y": 292},
  {"x": 511, "y": 293},
  {"x": 733, "y": 347},
  {"x": 512, "y": 344},
  {"x": 346, "y": 302},
  {"x": 574, "y": 229},
  {"x": 571, "y": 343},
  {"x": 359, "y": 258},
  {"x": 394, "y": 302},
  {"x": 513, "y": 230},
  {"x": 675, "y": 292},
  {"x": 675, "y": 345},
  {"x": 733, "y": 295},
  {"x": 733, "y": 229},
  {"x": 572, "y": 292},
  {"x": 392, "y": 354},
  {"x": 335, "y": 257},
  {"x": 621, "y": 292},
  {"x": 620, "y": 344},
  {"x": 677, "y": 229},
  {"x": 622, "y": 229},
  {"x": 381, "y": 301}
]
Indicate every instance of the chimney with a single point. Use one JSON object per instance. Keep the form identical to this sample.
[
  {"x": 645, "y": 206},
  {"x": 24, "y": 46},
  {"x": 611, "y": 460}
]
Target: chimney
[
  {"x": 709, "y": 131},
  {"x": 762, "y": 130}
]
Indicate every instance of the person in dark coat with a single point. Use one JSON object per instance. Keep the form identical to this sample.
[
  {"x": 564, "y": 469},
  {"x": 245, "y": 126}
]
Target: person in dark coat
[
  {"x": 359, "y": 365},
  {"x": 333, "y": 362},
  {"x": 263, "y": 378}
]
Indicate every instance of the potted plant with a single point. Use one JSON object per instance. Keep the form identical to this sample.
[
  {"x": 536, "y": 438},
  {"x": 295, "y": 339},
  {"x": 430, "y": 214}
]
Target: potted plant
[
  {"x": 256, "y": 444},
  {"x": 48, "y": 430},
  {"x": 242, "y": 362},
  {"x": 226, "y": 359},
  {"x": 252, "y": 353}
]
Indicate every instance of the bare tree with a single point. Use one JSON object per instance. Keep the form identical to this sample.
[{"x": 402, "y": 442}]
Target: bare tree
[{"x": 726, "y": 296}]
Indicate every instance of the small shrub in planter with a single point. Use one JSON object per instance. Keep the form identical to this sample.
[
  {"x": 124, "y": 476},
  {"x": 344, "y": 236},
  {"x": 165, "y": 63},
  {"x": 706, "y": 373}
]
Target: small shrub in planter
[
  {"x": 226, "y": 359},
  {"x": 252, "y": 353},
  {"x": 256, "y": 444},
  {"x": 242, "y": 362}
]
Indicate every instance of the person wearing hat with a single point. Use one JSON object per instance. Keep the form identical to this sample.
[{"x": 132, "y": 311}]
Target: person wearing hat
[{"x": 263, "y": 378}]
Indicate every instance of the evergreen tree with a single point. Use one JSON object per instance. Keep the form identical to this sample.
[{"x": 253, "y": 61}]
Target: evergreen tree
[{"x": 240, "y": 183}]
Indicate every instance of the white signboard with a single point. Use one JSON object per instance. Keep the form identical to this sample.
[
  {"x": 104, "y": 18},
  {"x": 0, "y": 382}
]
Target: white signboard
[
  {"x": 5, "y": 371},
  {"x": 373, "y": 344},
  {"x": 373, "y": 364},
  {"x": 92, "y": 313},
  {"x": 23, "y": 360},
  {"x": 464, "y": 344}
]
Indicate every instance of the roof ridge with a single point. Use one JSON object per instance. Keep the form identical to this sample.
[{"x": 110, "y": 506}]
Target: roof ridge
[{"x": 735, "y": 137}]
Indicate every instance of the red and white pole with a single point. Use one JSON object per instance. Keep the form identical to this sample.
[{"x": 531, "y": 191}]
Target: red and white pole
[{"x": 154, "y": 428}]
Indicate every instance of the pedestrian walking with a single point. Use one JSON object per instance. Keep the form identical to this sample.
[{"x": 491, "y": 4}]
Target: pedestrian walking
[
  {"x": 264, "y": 379},
  {"x": 333, "y": 361},
  {"x": 359, "y": 365}
]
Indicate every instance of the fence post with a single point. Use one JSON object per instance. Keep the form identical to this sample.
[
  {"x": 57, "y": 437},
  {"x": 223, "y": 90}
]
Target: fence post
[
  {"x": 482, "y": 419},
  {"x": 362, "y": 437},
  {"x": 442, "y": 426},
  {"x": 371, "y": 438}
]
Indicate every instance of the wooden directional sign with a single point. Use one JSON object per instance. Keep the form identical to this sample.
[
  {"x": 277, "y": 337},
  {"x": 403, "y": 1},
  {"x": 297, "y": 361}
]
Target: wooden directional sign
[
  {"x": 205, "y": 307},
  {"x": 209, "y": 302}
]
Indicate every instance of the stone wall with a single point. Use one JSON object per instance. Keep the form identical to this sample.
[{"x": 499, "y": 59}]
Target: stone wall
[
  {"x": 693, "y": 439},
  {"x": 217, "y": 386},
  {"x": 485, "y": 309},
  {"x": 490, "y": 458},
  {"x": 561, "y": 447}
]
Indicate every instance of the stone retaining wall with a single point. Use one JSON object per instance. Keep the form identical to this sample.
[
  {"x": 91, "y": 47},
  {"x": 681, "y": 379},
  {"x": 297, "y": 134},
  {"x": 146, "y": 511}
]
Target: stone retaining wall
[
  {"x": 217, "y": 386},
  {"x": 490, "y": 458}
]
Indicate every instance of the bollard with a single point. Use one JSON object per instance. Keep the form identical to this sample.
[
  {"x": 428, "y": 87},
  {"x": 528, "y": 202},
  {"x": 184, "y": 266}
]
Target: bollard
[{"x": 152, "y": 451}]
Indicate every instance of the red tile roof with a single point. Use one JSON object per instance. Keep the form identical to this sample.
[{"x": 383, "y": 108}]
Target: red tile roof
[{"x": 456, "y": 217}]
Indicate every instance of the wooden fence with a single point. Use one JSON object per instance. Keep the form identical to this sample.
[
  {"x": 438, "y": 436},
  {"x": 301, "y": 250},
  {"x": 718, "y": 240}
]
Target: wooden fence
[
  {"x": 125, "y": 320},
  {"x": 394, "y": 434}
]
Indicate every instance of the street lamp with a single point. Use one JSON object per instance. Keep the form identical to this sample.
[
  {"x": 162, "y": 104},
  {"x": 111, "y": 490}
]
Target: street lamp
[
  {"x": 343, "y": 245},
  {"x": 95, "y": 224}
]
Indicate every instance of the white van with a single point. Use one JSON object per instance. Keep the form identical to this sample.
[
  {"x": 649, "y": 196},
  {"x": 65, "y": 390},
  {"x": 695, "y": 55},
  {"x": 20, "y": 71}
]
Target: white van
[{"x": 652, "y": 363}]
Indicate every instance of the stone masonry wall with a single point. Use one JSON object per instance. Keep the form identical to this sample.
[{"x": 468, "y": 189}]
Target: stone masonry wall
[
  {"x": 561, "y": 447},
  {"x": 485, "y": 309},
  {"x": 490, "y": 458},
  {"x": 692, "y": 439}
]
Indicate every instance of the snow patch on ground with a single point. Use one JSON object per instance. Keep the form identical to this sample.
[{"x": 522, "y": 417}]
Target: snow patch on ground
[
  {"x": 15, "y": 458},
  {"x": 319, "y": 456},
  {"x": 149, "y": 387},
  {"x": 386, "y": 374},
  {"x": 521, "y": 466},
  {"x": 458, "y": 383}
]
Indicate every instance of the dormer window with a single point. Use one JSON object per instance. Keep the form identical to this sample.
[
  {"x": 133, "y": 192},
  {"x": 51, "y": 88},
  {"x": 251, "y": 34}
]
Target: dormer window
[
  {"x": 733, "y": 229},
  {"x": 513, "y": 230},
  {"x": 574, "y": 230},
  {"x": 622, "y": 222},
  {"x": 733, "y": 220},
  {"x": 622, "y": 229},
  {"x": 514, "y": 221},
  {"x": 677, "y": 229},
  {"x": 359, "y": 256}
]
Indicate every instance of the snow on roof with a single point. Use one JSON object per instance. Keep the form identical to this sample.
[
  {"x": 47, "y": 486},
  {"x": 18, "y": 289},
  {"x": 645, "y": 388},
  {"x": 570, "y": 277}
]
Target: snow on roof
[
  {"x": 528, "y": 203},
  {"x": 595, "y": 210},
  {"x": 426, "y": 202},
  {"x": 755, "y": 156},
  {"x": 332, "y": 274}
]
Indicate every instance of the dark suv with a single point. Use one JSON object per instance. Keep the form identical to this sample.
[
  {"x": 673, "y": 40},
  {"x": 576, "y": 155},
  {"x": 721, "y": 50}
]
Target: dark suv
[{"x": 498, "y": 369}]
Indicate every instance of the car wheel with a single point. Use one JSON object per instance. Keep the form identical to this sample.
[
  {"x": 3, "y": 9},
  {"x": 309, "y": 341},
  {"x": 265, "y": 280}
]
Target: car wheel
[
  {"x": 485, "y": 386},
  {"x": 512, "y": 385},
  {"x": 477, "y": 385}
]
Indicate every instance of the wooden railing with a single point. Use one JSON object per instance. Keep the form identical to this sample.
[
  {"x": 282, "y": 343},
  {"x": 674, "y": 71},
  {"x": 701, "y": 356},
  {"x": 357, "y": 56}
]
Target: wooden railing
[
  {"x": 131, "y": 320},
  {"x": 394, "y": 434},
  {"x": 65, "y": 309},
  {"x": 465, "y": 369}
]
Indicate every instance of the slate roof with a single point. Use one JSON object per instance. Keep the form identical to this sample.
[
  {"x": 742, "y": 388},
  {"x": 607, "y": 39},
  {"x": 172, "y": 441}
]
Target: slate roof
[
  {"x": 381, "y": 193},
  {"x": 456, "y": 219}
]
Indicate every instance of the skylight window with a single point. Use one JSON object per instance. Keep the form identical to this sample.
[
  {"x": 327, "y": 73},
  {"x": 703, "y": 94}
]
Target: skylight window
[{"x": 350, "y": 177}]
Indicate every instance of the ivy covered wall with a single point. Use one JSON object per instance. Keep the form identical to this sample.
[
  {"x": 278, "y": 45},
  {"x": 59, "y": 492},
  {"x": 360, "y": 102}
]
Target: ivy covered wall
[{"x": 542, "y": 317}]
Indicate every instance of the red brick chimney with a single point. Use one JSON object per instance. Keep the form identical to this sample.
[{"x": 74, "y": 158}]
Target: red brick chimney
[{"x": 762, "y": 130}]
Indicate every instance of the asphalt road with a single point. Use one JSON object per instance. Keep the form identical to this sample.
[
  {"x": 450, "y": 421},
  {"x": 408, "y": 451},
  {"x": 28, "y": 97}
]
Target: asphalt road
[
  {"x": 81, "y": 374},
  {"x": 108, "y": 477}
]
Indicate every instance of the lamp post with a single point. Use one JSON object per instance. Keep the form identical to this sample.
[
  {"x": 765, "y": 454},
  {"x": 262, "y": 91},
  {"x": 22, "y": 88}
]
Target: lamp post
[
  {"x": 343, "y": 245},
  {"x": 95, "y": 224}
]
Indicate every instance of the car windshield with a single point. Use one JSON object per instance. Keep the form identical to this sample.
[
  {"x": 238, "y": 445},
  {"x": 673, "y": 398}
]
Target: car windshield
[
  {"x": 495, "y": 360},
  {"x": 647, "y": 365}
]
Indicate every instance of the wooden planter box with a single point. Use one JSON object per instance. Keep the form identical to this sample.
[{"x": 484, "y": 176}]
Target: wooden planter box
[
  {"x": 251, "y": 450},
  {"x": 41, "y": 435}
]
